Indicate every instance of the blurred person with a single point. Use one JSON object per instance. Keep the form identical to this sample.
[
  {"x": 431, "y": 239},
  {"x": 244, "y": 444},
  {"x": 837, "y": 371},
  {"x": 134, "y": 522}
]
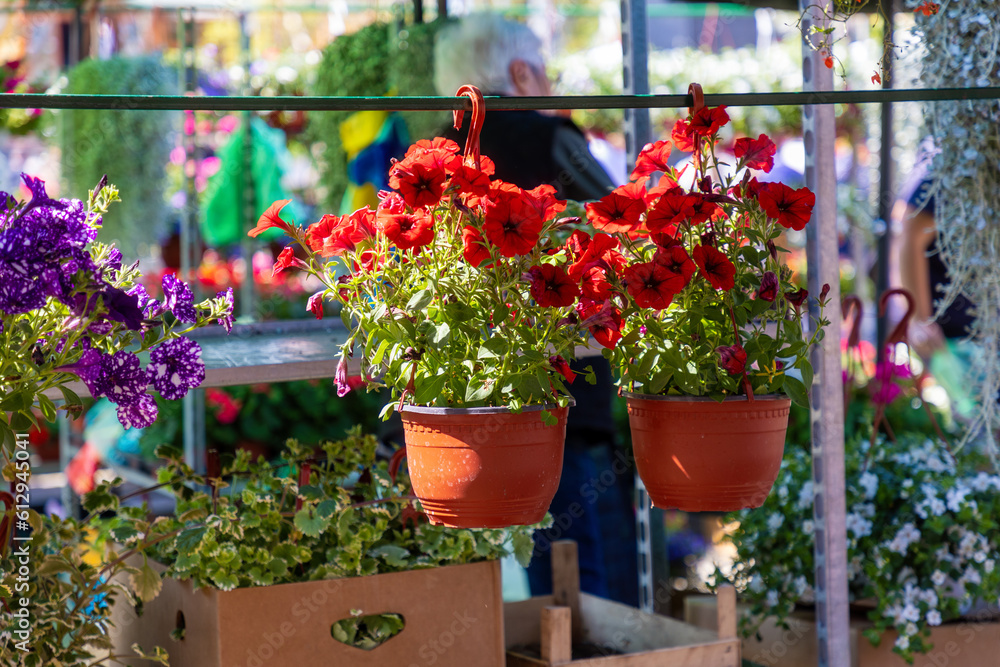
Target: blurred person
[{"x": 593, "y": 505}]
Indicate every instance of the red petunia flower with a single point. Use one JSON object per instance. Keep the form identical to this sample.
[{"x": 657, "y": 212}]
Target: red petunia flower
[
  {"x": 552, "y": 287},
  {"x": 928, "y": 8},
  {"x": 561, "y": 366},
  {"x": 828, "y": 61},
  {"x": 756, "y": 153},
  {"x": 350, "y": 231},
  {"x": 596, "y": 250},
  {"x": 438, "y": 151},
  {"x": 272, "y": 218},
  {"x": 652, "y": 158},
  {"x": 768, "y": 289},
  {"x": 708, "y": 120},
  {"x": 419, "y": 179},
  {"x": 511, "y": 222},
  {"x": 287, "y": 258},
  {"x": 876, "y": 78},
  {"x": 791, "y": 208},
  {"x": 315, "y": 305},
  {"x": 732, "y": 359},
  {"x": 682, "y": 136},
  {"x": 545, "y": 202},
  {"x": 466, "y": 179},
  {"x": 715, "y": 267},
  {"x": 595, "y": 284},
  {"x": 317, "y": 232},
  {"x": 797, "y": 298},
  {"x": 676, "y": 260},
  {"x": 603, "y": 320},
  {"x": 617, "y": 211},
  {"x": 408, "y": 230},
  {"x": 670, "y": 210},
  {"x": 651, "y": 285},
  {"x": 474, "y": 248}
]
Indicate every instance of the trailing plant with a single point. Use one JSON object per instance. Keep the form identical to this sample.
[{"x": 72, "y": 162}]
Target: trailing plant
[
  {"x": 132, "y": 147},
  {"x": 18, "y": 121},
  {"x": 378, "y": 59},
  {"x": 960, "y": 41},
  {"x": 922, "y": 538}
]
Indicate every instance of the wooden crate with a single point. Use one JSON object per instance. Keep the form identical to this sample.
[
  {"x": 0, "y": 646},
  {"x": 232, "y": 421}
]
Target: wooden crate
[{"x": 632, "y": 638}]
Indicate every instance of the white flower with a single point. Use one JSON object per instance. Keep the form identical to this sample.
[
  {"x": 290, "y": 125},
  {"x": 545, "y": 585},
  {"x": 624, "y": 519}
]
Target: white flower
[
  {"x": 869, "y": 482},
  {"x": 989, "y": 565},
  {"x": 782, "y": 492},
  {"x": 775, "y": 520},
  {"x": 911, "y": 628},
  {"x": 955, "y": 497},
  {"x": 907, "y": 483},
  {"x": 903, "y": 642},
  {"x": 805, "y": 496},
  {"x": 911, "y": 613},
  {"x": 906, "y": 536},
  {"x": 857, "y": 524},
  {"x": 756, "y": 584},
  {"x": 971, "y": 575},
  {"x": 933, "y": 617},
  {"x": 772, "y": 599},
  {"x": 808, "y": 527}
]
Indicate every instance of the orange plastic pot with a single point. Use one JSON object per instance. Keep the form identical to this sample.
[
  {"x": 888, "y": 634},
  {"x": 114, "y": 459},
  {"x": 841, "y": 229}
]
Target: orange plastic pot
[
  {"x": 483, "y": 467},
  {"x": 698, "y": 455}
]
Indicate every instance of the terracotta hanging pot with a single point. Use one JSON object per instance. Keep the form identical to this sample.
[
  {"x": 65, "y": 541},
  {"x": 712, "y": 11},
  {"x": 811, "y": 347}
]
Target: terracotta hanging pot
[
  {"x": 483, "y": 467},
  {"x": 698, "y": 455}
]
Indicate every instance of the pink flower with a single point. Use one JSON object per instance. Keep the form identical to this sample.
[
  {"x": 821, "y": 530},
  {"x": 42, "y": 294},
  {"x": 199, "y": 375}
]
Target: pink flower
[{"x": 733, "y": 358}]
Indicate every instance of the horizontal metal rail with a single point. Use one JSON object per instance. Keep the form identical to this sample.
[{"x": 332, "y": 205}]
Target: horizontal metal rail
[{"x": 296, "y": 103}]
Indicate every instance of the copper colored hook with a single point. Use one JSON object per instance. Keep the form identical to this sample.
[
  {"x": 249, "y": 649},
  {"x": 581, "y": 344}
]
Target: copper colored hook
[
  {"x": 898, "y": 334},
  {"x": 478, "y": 116},
  {"x": 698, "y": 98},
  {"x": 846, "y": 305},
  {"x": 395, "y": 462}
]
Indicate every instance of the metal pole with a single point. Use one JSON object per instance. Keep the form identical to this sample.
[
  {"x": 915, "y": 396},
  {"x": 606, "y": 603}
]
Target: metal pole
[
  {"x": 885, "y": 187},
  {"x": 827, "y": 413},
  {"x": 248, "y": 245},
  {"x": 650, "y": 537}
]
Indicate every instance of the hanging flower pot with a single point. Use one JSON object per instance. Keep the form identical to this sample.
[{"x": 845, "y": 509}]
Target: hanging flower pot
[
  {"x": 484, "y": 467},
  {"x": 698, "y": 455}
]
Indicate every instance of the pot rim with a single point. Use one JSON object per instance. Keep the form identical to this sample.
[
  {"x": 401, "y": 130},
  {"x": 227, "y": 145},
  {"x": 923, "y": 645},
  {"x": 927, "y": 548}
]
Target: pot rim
[
  {"x": 703, "y": 399},
  {"x": 482, "y": 410}
]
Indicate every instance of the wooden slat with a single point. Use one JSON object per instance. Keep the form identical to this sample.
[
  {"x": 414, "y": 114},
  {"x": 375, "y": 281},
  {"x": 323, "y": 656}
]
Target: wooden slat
[
  {"x": 716, "y": 654},
  {"x": 520, "y": 620},
  {"x": 566, "y": 582},
  {"x": 630, "y": 630},
  {"x": 557, "y": 640},
  {"x": 726, "y": 612}
]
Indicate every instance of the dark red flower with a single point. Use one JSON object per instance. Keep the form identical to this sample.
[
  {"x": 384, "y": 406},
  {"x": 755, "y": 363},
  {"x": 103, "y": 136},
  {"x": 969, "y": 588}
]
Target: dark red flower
[
  {"x": 552, "y": 287},
  {"x": 315, "y": 305},
  {"x": 791, "y": 208},
  {"x": 272, "y": 218},
  {"x": 797, "y": 298},
  {"x": 756, "y": 153},
  {"x": 732, "y": 359},
  {"x": 420, "y": 179},
  {"x": 670, "y": 210},
  {"x": 474, "y": 248},
  {"x": 603, "y": 320},
  {"x": 617, "y": 211},
  {"x": 595, "y": 284},
  {"x": 664, "y": 240},
  {"x": 511, "y": 223},
  {"x": 682, "y": 136},
  {"x": 676, "y": 260},
  {"x": 595, "y": 250},
  {"x": 651, "y": 285},
  {"x": 561, "y": 366},
  {"x": 715, "y": 267},
  {"x": 287, "y": 258},
  {"x": 823, "y": 292},
  {"x": 708, "y": 120},
  {"x": 545, "y": 202},
  {"x": 768, "y": 289},
  {"x": 466, "y": 179},
  {"x": 408, "y": 230},
  {"x": 652, "y": 158}
]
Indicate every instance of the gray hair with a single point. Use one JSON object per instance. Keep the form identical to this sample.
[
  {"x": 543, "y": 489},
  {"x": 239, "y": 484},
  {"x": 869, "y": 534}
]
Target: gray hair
[{"x": 479, "y": 49}]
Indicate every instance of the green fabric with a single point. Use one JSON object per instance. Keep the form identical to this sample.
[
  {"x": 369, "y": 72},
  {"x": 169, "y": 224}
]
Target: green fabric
[{"x": 222, "y": 220}]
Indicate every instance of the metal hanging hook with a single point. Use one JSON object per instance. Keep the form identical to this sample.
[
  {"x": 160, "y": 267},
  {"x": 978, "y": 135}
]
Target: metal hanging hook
[{"x": 478, "y": 116}]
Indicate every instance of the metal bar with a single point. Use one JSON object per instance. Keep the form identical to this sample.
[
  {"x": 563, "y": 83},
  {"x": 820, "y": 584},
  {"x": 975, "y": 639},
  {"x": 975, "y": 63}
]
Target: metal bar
[
  {"x": 885, "y": 188},
  {"x": 827, "y": 400},
  {"x": 290, "y": 103}
]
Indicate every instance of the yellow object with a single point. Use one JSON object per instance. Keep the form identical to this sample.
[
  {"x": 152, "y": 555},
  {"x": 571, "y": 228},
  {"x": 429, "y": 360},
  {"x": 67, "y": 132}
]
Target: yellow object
[
  {"x": 359, "y": 196},
  {"x": 360, "y": 130}
]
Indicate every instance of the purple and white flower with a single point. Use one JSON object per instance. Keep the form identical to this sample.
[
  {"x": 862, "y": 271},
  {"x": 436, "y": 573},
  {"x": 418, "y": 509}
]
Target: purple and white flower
[
  {"x": 178, "y": 299},
  {"x": 176, "y": 367}
]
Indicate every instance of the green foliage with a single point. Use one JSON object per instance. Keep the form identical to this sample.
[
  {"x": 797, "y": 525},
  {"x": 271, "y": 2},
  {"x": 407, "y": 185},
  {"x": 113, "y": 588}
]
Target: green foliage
[
  {"x": 376, "y": 60},
  {"x": 70, "y": 592},
  {"x": 131, "y": 147},
  {"x": 367, "y": 632},
  {"x": 344, "y": 517}
]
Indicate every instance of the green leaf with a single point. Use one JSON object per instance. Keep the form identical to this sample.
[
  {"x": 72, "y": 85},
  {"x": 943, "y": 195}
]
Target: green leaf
[
  {"x": 524, "y": 547},
  {"x": 439, "y": 334},
  {"x": 796, "y": 390},
  {"x": 478, "y": 390},
  {"x": 124, "y": 534},
  {"x": 392, "y": 554},
  {"x": 420, "y": 300},
  {"x": 190, "y": 540},
  {"x": 376, "y": 358},
  {"x": 326, "y": 509},
  {"x": 146, "y": 583},
  {"x": 807, "y": 372},
  {"x": 47, "y": 407},
  {"x": 428, "y": 389},
  {"x": 225, "y": 581},
  {"x": 309, "y": 523},
  {"x": 52, "y": 565},
  {"x": 494, "y": 347}
]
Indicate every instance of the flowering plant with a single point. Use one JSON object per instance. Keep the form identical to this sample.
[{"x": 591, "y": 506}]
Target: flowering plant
[
  {"x": 453, "y": 288},
  {"x": 922, "y": 538},
  {"x": 70, "y": 309},
  {"x": 682, "y": 284}
]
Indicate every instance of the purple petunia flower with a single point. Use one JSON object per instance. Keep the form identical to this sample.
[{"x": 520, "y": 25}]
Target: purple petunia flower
[
  {"x": 177, "y": 298},
  {"x": 226, "y": 320},
  {"x": 122, "y": 307},
  {"x": 139, "y": 414},
  {"x": 150, "y": 307},
  {"x": 113, "y": 263},
  {"x": 88, "y": 369},
  {"x": 175, "y": 367},
  {"x": 122, "y": 379}
]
